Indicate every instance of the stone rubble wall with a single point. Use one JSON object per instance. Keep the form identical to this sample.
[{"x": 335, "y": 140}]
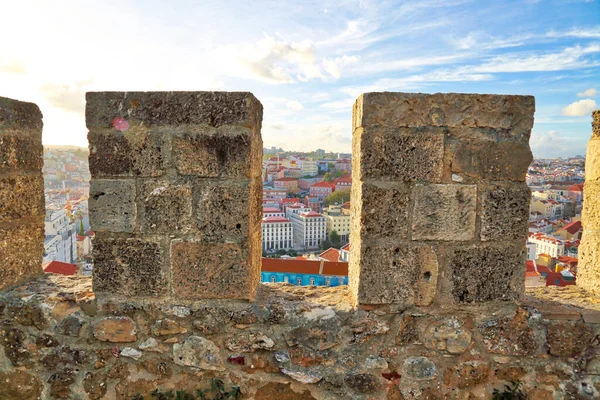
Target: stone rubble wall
[
  {"x": 57, "y": 341},
  {"x": 588, "y": 269},
  {"x": 439, "y": 197},
  {"x": 175, "y": 197},
  {"x": 22, "y": 208}
]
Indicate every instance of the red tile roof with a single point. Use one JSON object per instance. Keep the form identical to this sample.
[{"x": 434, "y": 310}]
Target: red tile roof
[
  {"x": 58, "y": 267},
  {"x": 346, "y": 247},
  {"x": 304, "y": 266},
  {"x": 285, "y": 180},
  {"x": 275, "y": 219},
  {"x": 330, "y": 254},
  {"x": 312, "y": 214},
  {"x": 330, "y": 185},
  {"x": 572, "y": 227}
]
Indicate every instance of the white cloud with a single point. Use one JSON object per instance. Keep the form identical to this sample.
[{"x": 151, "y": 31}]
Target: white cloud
[
  {"x": 551, "y": 144},
  {"x": 333, "y": 66},
  {"x": 294, "y": 105},
  {"x": 583, "y": 33},
  {"x": 568, "y": 58},
  {"x": 588, "y": 93},
  {"x": 580, "y": 108}
]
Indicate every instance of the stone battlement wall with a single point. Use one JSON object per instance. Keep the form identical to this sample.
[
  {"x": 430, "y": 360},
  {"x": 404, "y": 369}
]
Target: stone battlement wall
[
  {"x": 59, "y": 342},
  {"x": 435, "y": 306},
  {"x": 22, "y": 207}
]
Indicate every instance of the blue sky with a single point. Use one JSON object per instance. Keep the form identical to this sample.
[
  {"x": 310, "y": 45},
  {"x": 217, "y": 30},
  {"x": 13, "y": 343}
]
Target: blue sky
[{"x": 307, "y": 61}]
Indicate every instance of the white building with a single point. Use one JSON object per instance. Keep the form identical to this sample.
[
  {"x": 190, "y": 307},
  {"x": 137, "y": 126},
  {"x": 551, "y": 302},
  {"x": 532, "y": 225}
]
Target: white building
[
  {"x": 296, "y": 208},
  {"x": 60, "y": 243},
  {"x": 531, "y": 251},
  {"x": 337, "y": 221},
  {"x": 309, "y": 167},
  {"x": 272, "y": 212},
  {"x": 277, "y": 233},
  {"x": 547, "y": 245},
  {"x": 309, "y": 230}
]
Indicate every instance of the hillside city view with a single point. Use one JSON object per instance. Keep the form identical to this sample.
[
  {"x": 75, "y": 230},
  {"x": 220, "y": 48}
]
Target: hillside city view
[{"x": 306, "y": 216}]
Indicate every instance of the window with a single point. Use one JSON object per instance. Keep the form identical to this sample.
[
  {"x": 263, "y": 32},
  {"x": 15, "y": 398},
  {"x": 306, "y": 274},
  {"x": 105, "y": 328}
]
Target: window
[
  {"x": 273, "y": 279},
  {"x": 299, "y": 281},
  {"x": 286, "y": 279},
  {"x": 327, "y": 282},
  {"x": 312, "y": 281}
]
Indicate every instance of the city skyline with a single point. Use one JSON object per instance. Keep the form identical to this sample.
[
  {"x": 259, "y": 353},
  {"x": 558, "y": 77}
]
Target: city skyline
[{"x": 307, "y": 63}]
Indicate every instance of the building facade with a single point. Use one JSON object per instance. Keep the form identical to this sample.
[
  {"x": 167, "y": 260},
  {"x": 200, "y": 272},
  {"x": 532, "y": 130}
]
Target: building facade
[
  {"x": 277, "y": 233},
  {"x": 60, "y": 243},
  {"x": 309, "y": 230},
  {"x": 338, "y": 222}
]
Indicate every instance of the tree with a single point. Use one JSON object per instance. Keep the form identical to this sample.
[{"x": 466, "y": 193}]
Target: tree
[
  {"x": 336, "y": 240},
  {"x": 325, "y": 244},
  {"x": 339, "y": 196},
  {"x": 330, "y": 166},
  {"x": 339, "y": 174},
  {"x": 81, "y": 230},
  {"x": 327, "y": 177}
]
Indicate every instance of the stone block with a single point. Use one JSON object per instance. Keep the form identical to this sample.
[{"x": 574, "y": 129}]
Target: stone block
[
  {"x": 211, "y": 109},
  {"x": 592, "y": 160},
  {"x": 21, "y": 252},
  {"x": 505, "y": 212},
  {"x": 444, "y": 212},
  {"x": 481, "y": 273},
  {"x": 223, "y": 210},
  {"x": 206, "y": 270},
  {"x": 19, "y": 115},
  {"x": 21, "y": 197},
  {"x": 21, "y": 151},
  {"x": 392, "y": 272},
  {"x": 115, "y": 330},
  {"x": 591, "y": 206},
  {"x": 596, "y": 123},
  {"x": 588, "y": 268},
  {"x": 112, "y": 205},
  {"x": 382, "y": 209},
  {"x": 228, "y": 152},
  {"x": 134, "y": 152},
  {"x": 490, "y": 160},
  {"x": 395, "y": 110},
  {"x": 128, "y": 267},
  {"x": 165, "y": 207},
  {"x": 406, "y": 154}
]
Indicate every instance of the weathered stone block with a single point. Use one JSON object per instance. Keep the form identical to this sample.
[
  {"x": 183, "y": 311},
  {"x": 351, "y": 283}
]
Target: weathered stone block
[
  {"x": 21, "y": 197},
  {"x": 218, "y": 153},
  {"x": 392, "y": 272},
  {"x": 407, "y": 155},
  {"x": 505, "y": 212},
  {"x": 383, "y": 209},
  {"x": 224, "y": 210},
  {"x": 20, "y": 135},
  {"x": 491, "y": 160},
  {"x": 212, "y": 109},
  {"x": 116, "y": 330},
  {"x": 165, "y": 207},
  {"x": 198, "y": 352},
  {"x": 128, "y": 267},
  {"x": 591, "y": 206},
  {"x": 134, "y": 152},
  {"x": 204, "y": 270},
  {"x": 444, "y": 212},
  {"x": 395, "y": 110},
  {"x": 588, "y": 269},
  {"x": 596, "y": 123},
  {"x": 112, "y": 205},
  {"x": 21, "y": 252},
  {"x": 485, "y": 273}
]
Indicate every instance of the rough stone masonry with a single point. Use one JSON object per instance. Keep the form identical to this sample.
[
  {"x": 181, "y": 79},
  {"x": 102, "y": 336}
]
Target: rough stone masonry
[
  {"x": 588, "y": 270},
  {"x": 175, "y": 197},
  {"x": 22, "y": 207},
  {"x": 439, "y": 200}
]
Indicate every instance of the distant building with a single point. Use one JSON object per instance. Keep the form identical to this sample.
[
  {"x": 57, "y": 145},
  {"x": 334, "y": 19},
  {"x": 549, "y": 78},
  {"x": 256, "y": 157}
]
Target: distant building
[
  {"x": 571, "y": 231},
  {"x": 343, "y": 183},
  {"x": 344, "y": 164},
  {"x": 345, "y": 253},
  {"x": 549, "y": 208},
  {"x": 338, "y": 222},
  {"x": 289, "y": 184},
  {"x": 272, "y": 212},
  {"x": 313, "y": 203},
  {"x": 547, "y": 245},
  {"x": 277, "y": 233},
  {"x": 304, "y": 272},
  {"x": 60, "y": 243},
  {"x": 276, "y": 194},
  {"x": 330, "y": 254},
  {"x": 322, "y": 189},
  {"x": 309, "y": 229}
]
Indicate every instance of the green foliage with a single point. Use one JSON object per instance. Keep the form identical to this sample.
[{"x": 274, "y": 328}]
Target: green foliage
[
  {"x": 511, "y": 392},
  {"x": 336, "y": 240},
  {"x": 339, "y": 196},
  {"x": 325, "y": 244},
  {"x": 327, "y": 177},
  {"x": 339, "y": 174},
  {"x": 216, "y": 391}
]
